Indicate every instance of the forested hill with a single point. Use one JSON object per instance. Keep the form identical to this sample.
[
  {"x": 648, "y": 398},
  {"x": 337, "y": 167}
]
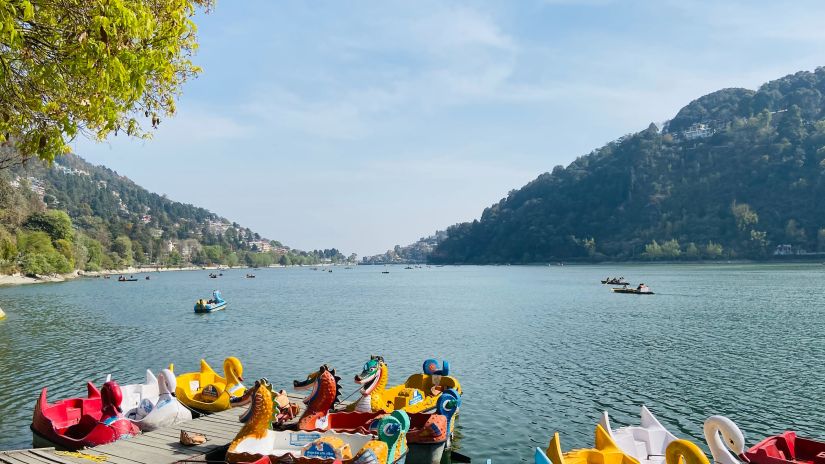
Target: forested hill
[
  {"x": 74, "y": 215},
  {"x": 735, "y": 174}
]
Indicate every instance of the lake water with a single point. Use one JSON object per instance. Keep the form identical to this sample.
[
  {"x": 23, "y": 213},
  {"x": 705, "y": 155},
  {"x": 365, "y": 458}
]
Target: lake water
[{"x": 537, "y": 349}]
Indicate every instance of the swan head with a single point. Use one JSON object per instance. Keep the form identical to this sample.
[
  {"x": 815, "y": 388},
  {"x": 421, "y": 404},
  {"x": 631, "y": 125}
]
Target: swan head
[
  {"x": 723, "y": 437},
  {"x": 166, "y": 382},
  {"x": 233, "y": 369}
]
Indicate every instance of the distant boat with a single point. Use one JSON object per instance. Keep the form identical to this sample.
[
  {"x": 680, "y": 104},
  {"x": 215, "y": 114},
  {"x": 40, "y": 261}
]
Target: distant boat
[
  {"x": 329, "y": 270},
  {"x": 250, "y": 276},
  {"x": 385, "y": 272},
  {"x": 124, "y": 279},
  {"x": 408, "y": 267},
  {"x": 147, "y": 277},
  {"x": 634, "y": 291}
]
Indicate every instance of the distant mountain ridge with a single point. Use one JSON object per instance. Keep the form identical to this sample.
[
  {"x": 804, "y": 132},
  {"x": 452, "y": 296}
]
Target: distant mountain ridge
[{"x": 736, "y": 173}]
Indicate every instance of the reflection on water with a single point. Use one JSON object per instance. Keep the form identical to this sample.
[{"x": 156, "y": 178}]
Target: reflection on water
[{"x": 537, "y": 349}]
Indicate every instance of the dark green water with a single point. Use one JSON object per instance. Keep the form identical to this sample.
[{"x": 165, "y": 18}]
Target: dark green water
[{"x": 537, "y": 349}]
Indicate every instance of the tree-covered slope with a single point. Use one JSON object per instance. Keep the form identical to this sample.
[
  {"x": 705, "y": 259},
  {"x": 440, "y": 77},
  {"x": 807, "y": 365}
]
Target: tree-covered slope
[
  {"x": 74, "y": 215},
  {"x": 734, "y": 174}
]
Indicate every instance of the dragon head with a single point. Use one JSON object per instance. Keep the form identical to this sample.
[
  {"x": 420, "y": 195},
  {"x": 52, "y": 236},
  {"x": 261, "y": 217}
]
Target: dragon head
[
  {"x": 325, "y": 387},
  {"x": 257, "y": 418},
  {"x": 370, "y": 376}
]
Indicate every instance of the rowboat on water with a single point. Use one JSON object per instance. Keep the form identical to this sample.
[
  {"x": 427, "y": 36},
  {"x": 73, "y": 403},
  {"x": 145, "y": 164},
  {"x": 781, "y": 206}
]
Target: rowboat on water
[{"x": 642, "y": 289}]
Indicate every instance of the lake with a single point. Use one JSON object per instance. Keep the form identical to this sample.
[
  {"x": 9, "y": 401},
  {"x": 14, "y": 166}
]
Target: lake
[{"x": 537, "y": 349}]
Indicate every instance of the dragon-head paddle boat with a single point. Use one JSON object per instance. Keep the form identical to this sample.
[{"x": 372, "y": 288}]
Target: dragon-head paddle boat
[
  {"x": 77, "y": 423},
  {"x": 606, "y": 451},
  {"x": 256, "y": 439},
  {"x": 428, "y": 435},
  {"x": 418, "y": 394},
  {"x": 152, "y": 405},
  {"x": 646, "y": 442},
  {"x": 216, "y": 303},
  {"x": 724, "y": 436},
  {"x": 206, "y": 391}
]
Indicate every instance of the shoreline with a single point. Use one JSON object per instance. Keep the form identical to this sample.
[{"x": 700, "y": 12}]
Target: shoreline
[{"x": 9, "y": 280}]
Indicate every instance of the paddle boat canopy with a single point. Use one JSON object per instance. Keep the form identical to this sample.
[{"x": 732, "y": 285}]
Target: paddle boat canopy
[
  {"x": 216, "y": 303},
  {"x": 207, "y": 391},
  {"x": 77, "y": 423}
]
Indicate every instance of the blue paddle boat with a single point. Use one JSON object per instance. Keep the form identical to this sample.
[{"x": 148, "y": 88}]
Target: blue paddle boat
[{"x": 216, "y": 303}]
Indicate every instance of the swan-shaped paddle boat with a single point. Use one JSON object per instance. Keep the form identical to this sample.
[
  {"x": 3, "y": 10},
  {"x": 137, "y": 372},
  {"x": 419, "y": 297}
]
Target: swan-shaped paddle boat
[
  {"x": 256, "y": 439},
  {"x": 646, "y": 442},
  {"x": 152, "y": 405},
  {"x": 724, "y": 436},
  {"x": 428, "y": 436},
  {"x": 418, "y": 394},
  {"x": 77, "y": 423},
  {"x": 606, "y": 451},
  {"x": 206, "y": 391}
]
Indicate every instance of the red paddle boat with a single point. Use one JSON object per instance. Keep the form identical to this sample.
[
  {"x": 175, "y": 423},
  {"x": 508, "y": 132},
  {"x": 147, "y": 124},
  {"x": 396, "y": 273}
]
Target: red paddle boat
[
  {"x": 76, "y": 423},
  {"x": 787, "y": 448}
]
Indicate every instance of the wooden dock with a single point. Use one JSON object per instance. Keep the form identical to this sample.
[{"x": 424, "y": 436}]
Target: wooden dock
[{"x": 161, "y": 446}]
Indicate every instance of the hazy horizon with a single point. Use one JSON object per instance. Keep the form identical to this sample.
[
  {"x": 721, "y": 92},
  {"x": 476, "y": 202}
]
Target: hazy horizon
[{"x": 362, "y": 126}]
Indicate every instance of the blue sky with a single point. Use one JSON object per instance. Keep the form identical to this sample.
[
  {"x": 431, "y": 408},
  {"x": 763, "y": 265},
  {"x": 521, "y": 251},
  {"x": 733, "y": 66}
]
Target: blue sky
[{"x": 362, "y": 125}]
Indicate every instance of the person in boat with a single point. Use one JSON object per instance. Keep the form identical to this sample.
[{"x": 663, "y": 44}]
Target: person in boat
[{"x": 642, "y": 288}]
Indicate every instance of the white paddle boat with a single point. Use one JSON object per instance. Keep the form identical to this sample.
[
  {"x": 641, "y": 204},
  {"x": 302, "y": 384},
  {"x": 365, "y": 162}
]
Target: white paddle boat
[
  {"x": 151, "y": 405},
  {"x": 646, "y": 442}
]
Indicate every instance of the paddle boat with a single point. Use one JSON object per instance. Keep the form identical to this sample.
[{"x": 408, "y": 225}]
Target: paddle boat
[
  {"x": 724, "y": 436},
  {"x": 615, "y": 281},
  {"x": 216, "y": 303},
  {"x": 151, "y": 405},
  {"x": 77, "y": 423},
  {"x": 646, "y": 442},
  {"x": 418, "y": 394},
  {"x": 256, "y": 439},
  {"x": 606, "y": 451},
  {"x": 428, "y": 436},
  {"x": 124, "y": 279},
  {"x": 206, "y": 391}
]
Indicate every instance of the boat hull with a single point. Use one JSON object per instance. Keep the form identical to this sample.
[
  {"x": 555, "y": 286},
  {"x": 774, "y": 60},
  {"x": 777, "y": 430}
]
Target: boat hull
[
  {"x": 209, "y": 308},
  {"x": 631, "y": 291}
]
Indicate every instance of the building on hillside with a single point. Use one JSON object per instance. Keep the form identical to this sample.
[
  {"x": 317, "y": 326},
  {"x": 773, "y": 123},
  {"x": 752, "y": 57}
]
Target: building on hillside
[
  {"x": 261, "y": 245},
  {"x": 697, "y": 131},
  {"x": 146, "y": 218}
]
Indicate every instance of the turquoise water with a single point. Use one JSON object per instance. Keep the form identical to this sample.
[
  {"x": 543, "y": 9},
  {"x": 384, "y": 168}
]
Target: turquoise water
[{"x": 537, "y": 349}]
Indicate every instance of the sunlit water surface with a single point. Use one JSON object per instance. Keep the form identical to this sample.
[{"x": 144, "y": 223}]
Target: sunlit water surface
[{"x": 537, "y": 349}]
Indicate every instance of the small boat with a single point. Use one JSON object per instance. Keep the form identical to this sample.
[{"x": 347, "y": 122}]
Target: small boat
[
  {"x": 606, "y": 451},
  {"x": 724, "y": 436},
  {"x": 385, "y": 272},
  {"x": 419, "y": 393},
  {"x": 151, "y": 405},
  {"x": 256, "y": 440},
  {"x": 206, "y": 391},
  {"x": 147, "y": 277},
  {"x": 124, "y": 279},
  {"x": 216, "y": 303},
  {"x": 642, "y": 290},
  {"x": 612, "y": 281},
  {"x": 77, "y": 423},
  {"x": 408, "y": 267},
  {"x": 428, "y": 436},
  {"x": 329, "y": 270},
  {"x": 646, "y": 442},
  {"x": 250, "y": 276}
]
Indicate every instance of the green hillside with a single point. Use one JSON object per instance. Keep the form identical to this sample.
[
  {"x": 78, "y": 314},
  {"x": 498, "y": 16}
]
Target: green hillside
[
  {"x": 735, "y": 174},
  {"x": 74, "y": 215}
]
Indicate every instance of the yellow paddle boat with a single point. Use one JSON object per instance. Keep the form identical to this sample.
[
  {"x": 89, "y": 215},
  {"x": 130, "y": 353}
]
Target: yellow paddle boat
[
  {"x": 607, "y": 452},
  {"x": 206, "y": 391},
  {"x": 419, "y": 393}
]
